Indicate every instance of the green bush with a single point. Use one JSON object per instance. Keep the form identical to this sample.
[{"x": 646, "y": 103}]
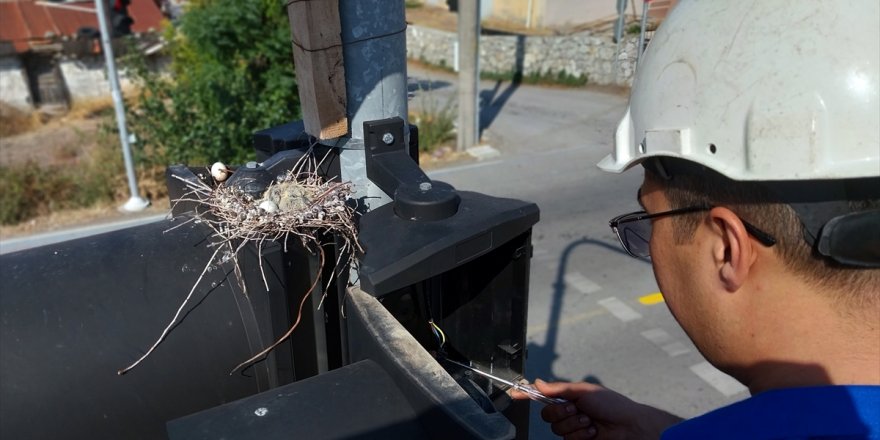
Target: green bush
[
  {"x": 231, "y": 74},
  {"x": 29, "y": 190}
]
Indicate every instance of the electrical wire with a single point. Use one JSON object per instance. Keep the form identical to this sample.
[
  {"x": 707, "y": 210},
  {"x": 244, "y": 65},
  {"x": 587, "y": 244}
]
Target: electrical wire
[{"x": 438, "y": 333}]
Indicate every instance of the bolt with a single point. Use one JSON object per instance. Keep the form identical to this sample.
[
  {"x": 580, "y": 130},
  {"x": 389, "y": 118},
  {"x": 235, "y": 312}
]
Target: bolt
[
  {"x": 388, "y": 138},
  {"x": 251, "y": 165},
  {"x": 425, "y": 186},
  {"x": 261, "y": 411}
]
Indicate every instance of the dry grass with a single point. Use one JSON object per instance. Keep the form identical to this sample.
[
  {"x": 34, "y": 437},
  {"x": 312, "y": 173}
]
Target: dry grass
[
  {"x": 89, "y": 108},
  {"x": 14, "y": 121}
]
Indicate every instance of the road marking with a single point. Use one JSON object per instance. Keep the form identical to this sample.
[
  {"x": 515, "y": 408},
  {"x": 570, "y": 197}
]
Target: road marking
[
  {"x": 658, "y": 336},
  {"x": 581, "y": 283},
  {"x": 676, "y": 349},
  {"x": 620, "y": 310},
  {"x": 723, "y": 383},
  {"x": 651, "y": 299},
  {"x": 663, "y": 340},
  {"x": 538, "y": 328}
]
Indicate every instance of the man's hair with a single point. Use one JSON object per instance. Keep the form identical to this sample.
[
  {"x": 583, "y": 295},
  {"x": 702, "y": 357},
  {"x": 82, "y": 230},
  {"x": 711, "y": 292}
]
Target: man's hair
[{"x": 756, "y": 204}]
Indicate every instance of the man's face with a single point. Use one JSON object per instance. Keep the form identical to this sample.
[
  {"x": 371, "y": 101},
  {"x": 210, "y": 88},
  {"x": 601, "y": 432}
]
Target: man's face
[{"x": 681, "y": 273}]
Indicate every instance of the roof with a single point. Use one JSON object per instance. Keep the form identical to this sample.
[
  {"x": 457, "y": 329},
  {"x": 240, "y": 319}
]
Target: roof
[{"x": 28, "y": 23}]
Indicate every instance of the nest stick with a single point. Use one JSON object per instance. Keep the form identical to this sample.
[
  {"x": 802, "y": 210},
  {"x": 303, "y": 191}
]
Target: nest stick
[
  {"x": 173, "y": 320},
  {"x": 284, "y": 337},
  {"x": 260, "y": 261}
]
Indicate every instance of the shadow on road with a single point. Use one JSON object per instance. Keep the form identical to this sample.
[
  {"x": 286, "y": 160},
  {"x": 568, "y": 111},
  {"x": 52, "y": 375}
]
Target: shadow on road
[
  {"x": 414, "y": 85},
  {"x": 541, "y": 357},
  {"x": 491, "y": 102}
]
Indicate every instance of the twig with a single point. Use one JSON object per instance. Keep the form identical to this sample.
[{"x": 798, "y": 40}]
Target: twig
[
  {"x": 295, "y": 324},
  {"x": 173, "y": 320}
]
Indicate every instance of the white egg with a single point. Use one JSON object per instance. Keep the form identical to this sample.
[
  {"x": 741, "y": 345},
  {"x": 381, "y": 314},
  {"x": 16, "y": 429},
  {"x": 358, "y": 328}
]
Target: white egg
[
  {"x": 219, "y": 171},
  {"x": 268, "y": 206}
]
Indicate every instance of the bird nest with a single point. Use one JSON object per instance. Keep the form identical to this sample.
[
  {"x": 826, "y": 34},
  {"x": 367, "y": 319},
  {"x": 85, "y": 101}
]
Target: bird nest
[{"x": 299, "y": 205}]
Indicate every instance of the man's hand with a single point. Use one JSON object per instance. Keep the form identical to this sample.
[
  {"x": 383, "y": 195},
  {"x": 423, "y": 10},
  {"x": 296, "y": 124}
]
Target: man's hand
[{"x": 596, "y": 412}]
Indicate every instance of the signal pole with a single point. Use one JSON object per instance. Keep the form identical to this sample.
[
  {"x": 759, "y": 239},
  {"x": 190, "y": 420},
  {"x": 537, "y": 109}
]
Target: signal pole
[
  {"x": 135, "y": 203},
  {"x": 468, "y": 73}
]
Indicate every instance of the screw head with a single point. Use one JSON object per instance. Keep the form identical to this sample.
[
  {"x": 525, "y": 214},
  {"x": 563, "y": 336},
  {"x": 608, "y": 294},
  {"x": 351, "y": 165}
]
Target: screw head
[
  {"x": 425, "y": 186},
  {"x": 262, "y": 411},
  {"x": 388, "y": 138}
]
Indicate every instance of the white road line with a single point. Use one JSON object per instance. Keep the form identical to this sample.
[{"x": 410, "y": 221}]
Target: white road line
[
  {"x": 658, "y": 336},
  {"x": 723, "y": 383},
  {"x": 663, "y": 340},
  {"x": 676, "y": 349},
  {"x": 581, "y": 283},
  {"x": 622, "y": 311}
]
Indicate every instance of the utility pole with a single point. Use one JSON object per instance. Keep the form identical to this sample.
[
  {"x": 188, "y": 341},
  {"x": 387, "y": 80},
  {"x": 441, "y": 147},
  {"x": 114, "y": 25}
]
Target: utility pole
[
  {"x": 135, "y": 203},
  {"x": 468, "y": 73}
]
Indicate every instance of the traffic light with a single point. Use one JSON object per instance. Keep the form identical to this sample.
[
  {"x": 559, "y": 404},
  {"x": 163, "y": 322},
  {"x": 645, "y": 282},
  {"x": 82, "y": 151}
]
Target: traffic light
[{"x": 120, "y": 21}]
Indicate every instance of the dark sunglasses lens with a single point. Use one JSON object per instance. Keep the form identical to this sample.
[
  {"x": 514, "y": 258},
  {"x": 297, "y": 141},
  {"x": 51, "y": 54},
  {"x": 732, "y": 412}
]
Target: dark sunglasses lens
[{"x": 637, "y": 235}]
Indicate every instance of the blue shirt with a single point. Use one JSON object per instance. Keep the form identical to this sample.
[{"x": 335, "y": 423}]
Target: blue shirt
[{"x": 827, "y": 412}]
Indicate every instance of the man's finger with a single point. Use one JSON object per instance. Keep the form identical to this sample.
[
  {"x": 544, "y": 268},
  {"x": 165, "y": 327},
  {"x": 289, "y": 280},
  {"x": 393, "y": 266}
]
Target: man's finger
[
  {"x": 569, "y": 425},
  {"x": 556, "y": 413},
  {"x": 566, "y": 390}
]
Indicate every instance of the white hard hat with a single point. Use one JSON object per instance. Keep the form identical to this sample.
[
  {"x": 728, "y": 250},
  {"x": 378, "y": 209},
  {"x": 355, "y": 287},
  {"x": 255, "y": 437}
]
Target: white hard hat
[{"x": 768, "y": 90}]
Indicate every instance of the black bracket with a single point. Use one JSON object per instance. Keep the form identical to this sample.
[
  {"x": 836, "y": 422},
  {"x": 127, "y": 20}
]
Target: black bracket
[{"x": 392, "y": 169}]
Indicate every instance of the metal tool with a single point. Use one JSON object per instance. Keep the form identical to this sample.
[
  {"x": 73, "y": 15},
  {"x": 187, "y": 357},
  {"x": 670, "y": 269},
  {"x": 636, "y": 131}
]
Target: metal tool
[{"x": 529, "y": 390}]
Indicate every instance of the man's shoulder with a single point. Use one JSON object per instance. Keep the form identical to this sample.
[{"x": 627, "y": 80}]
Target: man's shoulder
[{"x": 792, "y": 413}]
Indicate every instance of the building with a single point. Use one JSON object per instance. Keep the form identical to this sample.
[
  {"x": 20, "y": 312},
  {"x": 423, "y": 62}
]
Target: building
[{"x": 50, "y": 53}]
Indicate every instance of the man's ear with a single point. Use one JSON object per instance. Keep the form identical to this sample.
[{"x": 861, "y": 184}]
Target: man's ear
[{"x": 733, "y": 251}]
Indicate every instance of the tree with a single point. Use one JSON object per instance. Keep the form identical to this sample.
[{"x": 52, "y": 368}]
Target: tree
[{"x": 231, "y": 73}]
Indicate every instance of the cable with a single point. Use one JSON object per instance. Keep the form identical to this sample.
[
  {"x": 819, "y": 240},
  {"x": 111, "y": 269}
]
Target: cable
[{"x": 438, "y": 333}]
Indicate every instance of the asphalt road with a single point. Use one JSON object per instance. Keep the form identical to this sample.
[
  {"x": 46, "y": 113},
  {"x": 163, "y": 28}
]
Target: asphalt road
[{"x": 594, "y": 312}]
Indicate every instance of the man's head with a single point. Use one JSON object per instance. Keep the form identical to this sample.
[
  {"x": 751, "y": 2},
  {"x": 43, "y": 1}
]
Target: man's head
[
  {"x": 758, "y": 204},
  {"x": 758, "y": 125},
  {"x": 745, "y": 299}
]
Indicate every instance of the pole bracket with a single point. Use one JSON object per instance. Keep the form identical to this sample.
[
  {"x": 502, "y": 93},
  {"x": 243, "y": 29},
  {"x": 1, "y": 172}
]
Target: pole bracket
[{"x": 391, "y": 168}]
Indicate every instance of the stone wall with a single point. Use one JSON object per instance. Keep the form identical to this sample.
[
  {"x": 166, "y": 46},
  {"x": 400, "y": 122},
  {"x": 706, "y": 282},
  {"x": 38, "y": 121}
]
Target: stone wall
[
  {"x": 86, "y": 78},
  {"x": 14, "y": 90},
  {"x": 582, "y": 54}
]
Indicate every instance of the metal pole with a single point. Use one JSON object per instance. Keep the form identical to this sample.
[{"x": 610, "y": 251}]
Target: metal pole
[
  {"x": 136, "y": 202},
  {"x": 529, "y": 15},
  {"x": 468, "y": 75},
  {"x": 374, "y": 56},
  {"x": 644, "y": 24},
  {"x": 618, "y": 33}
]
